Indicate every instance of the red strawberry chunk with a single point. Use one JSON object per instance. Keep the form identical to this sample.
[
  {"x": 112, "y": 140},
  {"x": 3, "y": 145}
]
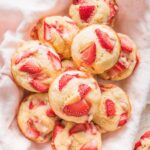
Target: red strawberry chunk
[
  {"x": 65, "y": 79},
  {"x": 90, "y": 127},
  {"x": 39, "y": 86},
  {"x": 58, "y": 128},
  {"x": 123, "y": 119},
  {"x": 137, "y": 145},
  {"x": 146, "y": 135},
  {"x": 84, "y": 90},
  {"x": 24, "y": 55},
  {"x": 34, "y": 33},
  {"x": 31, "y": 105},
  {"x": 76, "y": 2},
  {"x": 119, "y": 66},
  {"x": 126, "y": 46},
  {"x": 113, "y": 11},
  {"x": 50, "y": 113},
  {"x": 92, "y": 145},
  {"x": 47, "y": 31},
  {"x": 86, "y": 11},
  {"x": 33, "y": 133},
  {"x": 89, "y": 54},
  {"x": 110, "y": 108},
  {"x": 78, "y": 109},
  {"x": 55, "y": 60},
  {"x": 30, "y": 67},
  {"x": 105, "y": 41},
  {"x": 77, "y": 128}
]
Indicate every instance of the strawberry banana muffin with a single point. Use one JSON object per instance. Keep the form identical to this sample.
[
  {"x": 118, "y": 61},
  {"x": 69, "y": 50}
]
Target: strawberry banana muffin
[
  {"x": 114, "y": 110},
  {"x": 68, "y": 65},
  {"x": 36, "y": 119},
  {"x": 127, "y": 61},
  {"x": 71, "y": 136},
  {"x": 96, "y": 49},
  {"x": 87, "y": 12},
  {"x": 74, "y": 96},
  {"x": 35, "y": 65},
  {"x": 144, "y": 142},
  {"x": 59, "y": 32}
]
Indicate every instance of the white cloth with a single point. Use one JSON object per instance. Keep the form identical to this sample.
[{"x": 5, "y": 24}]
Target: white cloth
[{"x": 18, "y": 16}]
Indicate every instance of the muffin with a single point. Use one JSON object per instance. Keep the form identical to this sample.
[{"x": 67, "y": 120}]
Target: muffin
[
  {"x": 73, "y": 136},
  {"x": 35, "y": 118},
  {"x": 96, "y": 49},
  {"x": 34, "y": 65},
  {"x": 114, "y": 110},
  {"x": 74, "y": 96},
  {"x": 87, "y": 12},
  {"x": 127, "y": 61},
  {"x": 144, "y": 142},
  {"x": 59, "y": 32}
]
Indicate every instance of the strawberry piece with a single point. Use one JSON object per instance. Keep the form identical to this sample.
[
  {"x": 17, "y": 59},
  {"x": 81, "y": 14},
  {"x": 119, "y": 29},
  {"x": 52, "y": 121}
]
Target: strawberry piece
[
  {"x": 33, "y": 133},
  {"x": 126, "y": 46},
  {"x": 113, "y": 11},
  {"x": 90, "y": 127},
  {"x": 24, "y": 54},
  {"x": 92, "y": 145},
  {"x": 89, "y": 54},
  {"x": 105, "y": 41},
  {"x": 39, "y": 86},
  {"x": 76, "y": 2},
  {"x": 31, "y": 106},
  {"x": 77, "y": 128},
  {"x": 78, "y": 109},
  {"x": 34, "y": 33},
  {"x": 58, "y": 128},
  {"x": 47, "y": 31},
  {"x": 50, "y": 113},
  {"x": 84, "y": 90},
  {"x": 123, "y": 119},
  {"x": 137, "y": 145},
  {"x": 30, "y": 67},
  {"x": 146, "y": 135},
  {"x": 110, "y": 108},
  {"x": 119, "y": 66},
  {"x": 55, "y": 60},
  {"x": 86, "y": 12},
  {"x": 65, "y": 79}
]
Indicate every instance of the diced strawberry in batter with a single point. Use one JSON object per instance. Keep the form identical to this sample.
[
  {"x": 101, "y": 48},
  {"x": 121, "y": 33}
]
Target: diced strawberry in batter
[
  {"x": 77, "y": 128},
  {"x": 55, "y": 60},
  {"x": 89, "y": 54},
  {"x": 123, "y": 119},
  {"x": 78, "y": 109},
  {"x": 86, "y": 11},
  {"x": 37, "y": 85},
  {"x": 24, "y": 55},
  {"x": 137, "y": 145},
  {"x": 30, "y": 67},
  {"x": 65, "y": 79},
  {"x": 105, "y": 41},
  {"x": 110, "y": 108},
  {"x": 91, "y": 145},
  {"x": 84, "y": 90},
  {"x": 50, "y": 113}
]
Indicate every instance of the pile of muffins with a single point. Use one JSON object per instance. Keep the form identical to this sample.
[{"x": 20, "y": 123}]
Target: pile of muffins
[{"x": 69, "y": 108}]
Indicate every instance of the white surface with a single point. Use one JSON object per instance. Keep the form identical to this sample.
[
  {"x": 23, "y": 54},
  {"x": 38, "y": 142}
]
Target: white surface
[{"x": 19, "y": 15}]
